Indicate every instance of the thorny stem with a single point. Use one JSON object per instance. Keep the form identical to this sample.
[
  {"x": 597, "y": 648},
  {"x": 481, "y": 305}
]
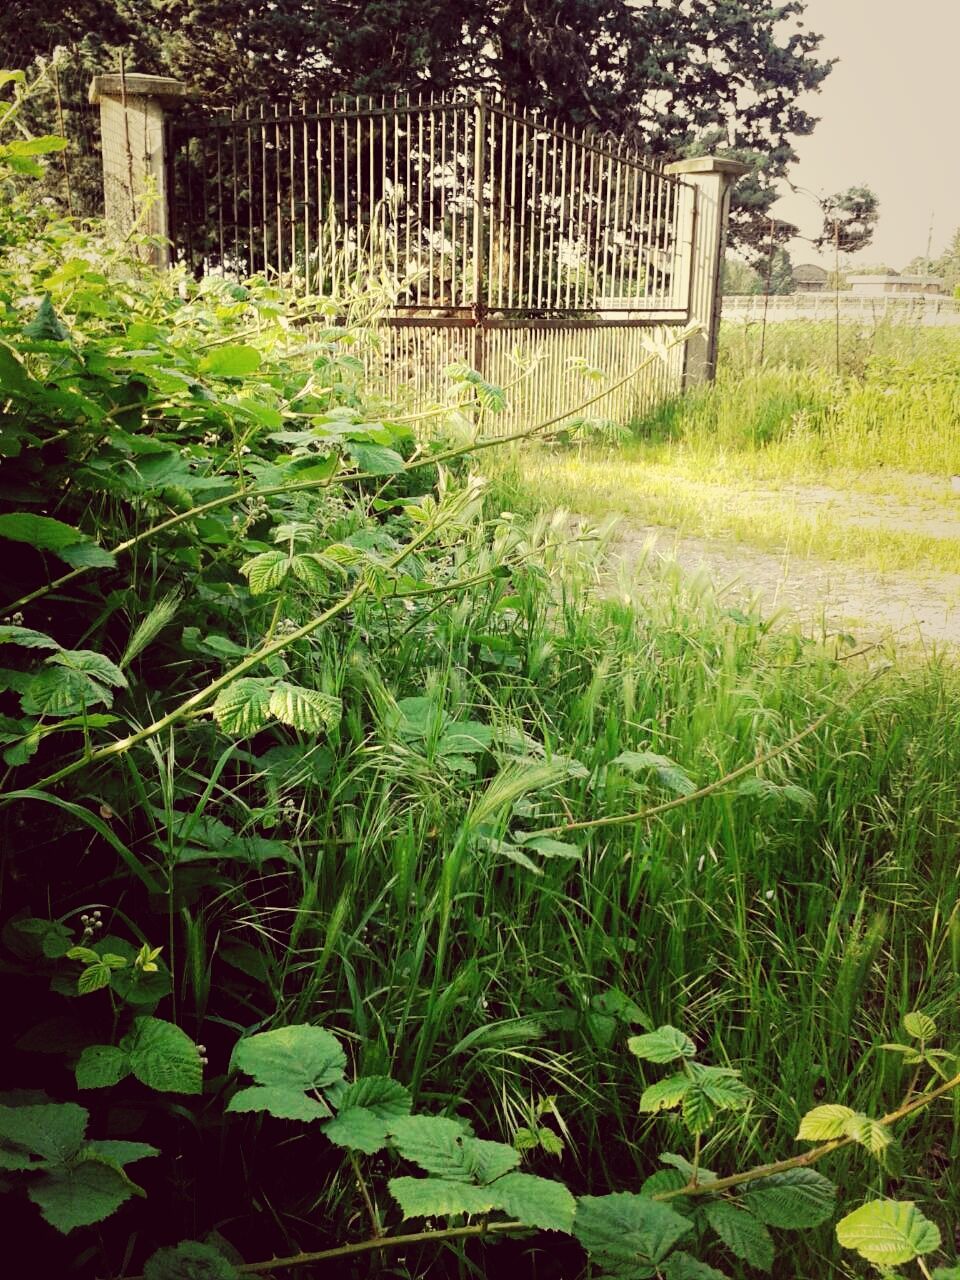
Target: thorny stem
[
  {"x": 272, "y": 491},
  {"x": 807, "y": 1158},
  {"x": 654, "y": 811},
  {"x": 365, "y": 1192},
  {"x": 500, "y": 1228}
]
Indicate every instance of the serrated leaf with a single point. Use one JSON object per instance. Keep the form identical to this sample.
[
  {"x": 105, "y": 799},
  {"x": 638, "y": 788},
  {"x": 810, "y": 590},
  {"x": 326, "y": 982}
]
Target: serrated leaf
[
  {"x": 440, "y": 1197},
  {"x": 665, "y": 1180},
  {"x": 26, "y": 638},
  {"x": 536, "y": 1202},
  {"x": 888, "y": 1232},
  {"x": 826, "y": 1122},
  {"x": 243, "y": 707},
  {"x": 380, "y": 1095},
  {"x": 297, "y": 1057},
  {"x": 266, "y": 571},
  {"x": 305, "y": 709},
  {"x": 666, "y": 1044},
  {"x": 683, "y": 1266},
  {"x": 89, "y": 1192},
  {"x": 119, "y": 1152},
  {"x": 667, "y": 771},
  {"x": 189, "y": 1260},
  {"x": 868, "y": 1133},
  {"x": 283, "y": 1101},
  {"x": 45, "y": 326},
  {"x": 53, "y": 1130},
  {"x": 919, "y": 1026},
  {"x": 90, "y": 663},
  {"x": 236, "y": 361},
  {"x": 376, "y": 459},
  {"x": 358, "y": 1129},
  {"x": 87, "y": 555},
  {"x": 432, "y": 1142},
  {"x": 61, "y": 691},
  {"x": 101, "y": 1065},
  {"x": 698, "y": 1110},
  {"x": 743, "y": 1234},
  {"x": 163, "y": 1057},
  {"x": 683, "y": 1165},
  {"x": 42, "y": 532},
  {"x": 625, "y": 1228},
  {"x": 547, "y": 847},
  {"x": 794, "y": 1199},
  {"x": 665, "y": 1093}
]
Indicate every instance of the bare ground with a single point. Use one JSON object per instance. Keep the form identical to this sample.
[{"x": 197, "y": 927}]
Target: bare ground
[{"x": 915, "y": 607}]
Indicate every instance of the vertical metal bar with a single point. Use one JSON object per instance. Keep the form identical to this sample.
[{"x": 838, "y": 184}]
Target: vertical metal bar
[
  {"x": 593, "y": 223},
  {"x": 263, "y": 192},
  {"x": 431, "y": 179},
  {"x": 291, "y": 142},
  {"x": 605, "y": 267},
  {"x": 443, "y": 201},
  {"x": 490, "y": 146},
  {"x": 320, "y": 220},
  {"x": 466, "y": 193},
  {"x": 395, "y": 186},
  {"x": 248, "y": 131},
  {"x": 371, "y": 185},
  {"x": 306, "y": 196},
  {"x": 632, "y": 263},
  {"x": 456, "y": 292},
  {"x": 563, "y": 225},
  {"x": 522, "y": 212},
  {"x": 277, "y": 199},
  {"x": 510, "y": 156},
  {"x": 236, "y": 216},
  {"x": 535, "y": 206},
  {"x": 615, "y": 248},
  {"x": 478, "y": 287},
  {"x": 550, "y": 211},
  {"x": 502, "y": 235}
]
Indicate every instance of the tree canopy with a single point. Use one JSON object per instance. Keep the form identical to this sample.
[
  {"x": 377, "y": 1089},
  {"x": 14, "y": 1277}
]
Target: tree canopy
[{"x": 678, "y": 77}]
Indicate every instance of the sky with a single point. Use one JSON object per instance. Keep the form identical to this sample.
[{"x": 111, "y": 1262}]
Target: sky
[{"x": 889, "y": 119}]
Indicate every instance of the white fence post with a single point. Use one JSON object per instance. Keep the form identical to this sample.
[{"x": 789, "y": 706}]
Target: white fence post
[
  {"x": 134, "y": 156},
  {"x": 711, "y": 177}
]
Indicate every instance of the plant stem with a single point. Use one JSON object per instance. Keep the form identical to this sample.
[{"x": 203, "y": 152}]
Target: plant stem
[
  {"x": 365, "y": 1192},
  {"x": 381, "y": 1242},
  {"x": 764, "y": 757},
  {"x": 807, "y": 1158},
  {"x": 273, "y": 491}
]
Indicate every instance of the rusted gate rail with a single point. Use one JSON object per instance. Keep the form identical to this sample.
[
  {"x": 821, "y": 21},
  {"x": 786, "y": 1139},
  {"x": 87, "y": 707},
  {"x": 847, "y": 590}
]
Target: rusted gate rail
[{"x": 504, "y": 232}]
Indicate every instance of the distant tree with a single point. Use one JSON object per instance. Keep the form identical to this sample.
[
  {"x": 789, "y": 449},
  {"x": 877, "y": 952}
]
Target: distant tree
[
  {"x": 946, "y": 267},
  {"x": 739, "y": 277},
  {"x": 849, "y": 220},
  {"x": 780, "y": 280}
]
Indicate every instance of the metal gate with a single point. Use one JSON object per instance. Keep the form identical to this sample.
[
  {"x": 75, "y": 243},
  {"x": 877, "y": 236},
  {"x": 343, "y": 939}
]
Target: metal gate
[{"x": 504, "y": 235}]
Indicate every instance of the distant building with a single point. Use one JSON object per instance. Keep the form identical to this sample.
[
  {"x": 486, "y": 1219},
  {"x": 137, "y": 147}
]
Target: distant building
[
  {"x": 809, "y": 278},
  {"x": 876, "y": 286}
]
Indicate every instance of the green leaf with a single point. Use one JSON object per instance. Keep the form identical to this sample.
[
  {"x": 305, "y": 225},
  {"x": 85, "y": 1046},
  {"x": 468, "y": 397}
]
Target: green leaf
[
  {"x": 826, "y": 1122},
  {"x": 432, "y": 1142},
  {"x": 549, "y": 848},
  {"x": 358, "y": 1129},
  {"x": 440, "y": 1197},
  {"x": 60, "y": 691},
  {"x": 744, "y": 1235},
  {"x": 625, "y": 1228},
  {"x": 243, "y": 707},
  {"x": 41, "y": 146},
  {"x": 947, "y": 1273},
  {"x": 118, "y": 1152},
  {"x": 873, "y": 1135},
  {"x": 26, "y": 638},
  {"x": 666, "y": 1044},
  {"x": 683, "y": 1266},
  {"x": 86, "y": 1193},
  {"x": 683, "y": 1165},
  {"x": 266, "y": 571},
  {"x": 163, "y": 1057},
  {"x": 230, "y": 362},
  {"x": 667, "y": 771},
  {"x": 283, "y": 1101},
  {"x": 380, "y": 1095},
  {"x": 794, "y": 1199},
  {"x": 375, "y": 458},
  {"x": 305, "y": 709},
  {"x": 919, "y": 1026},
  {"x": 665, "y": 1093},
  {"x": 888, "y": 1232},
  {"x": 100, "y": 1065},
  {"x": 87, "y": 555},
  {"x": 44, "y": 326},
  {"x": 536, "y": 1202},
  {"x": 52, "y": 1130},
  {"x": 298, "y": 1057},
  {"x": 189, "y": 1260},
  {"x": 42, "y": 532},
  {"x": 92, "y": 664}
]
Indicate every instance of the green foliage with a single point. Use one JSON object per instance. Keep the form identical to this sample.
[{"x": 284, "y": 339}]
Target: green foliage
[
  {"x": 189, "y": 1260},
  {"x": 73, "y": 1181},
  {"x": 888, "y": 1232}
]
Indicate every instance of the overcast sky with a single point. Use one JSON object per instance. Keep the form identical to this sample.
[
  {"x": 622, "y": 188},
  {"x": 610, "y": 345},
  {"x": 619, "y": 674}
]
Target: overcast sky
[{"x": 889, "y": 118}]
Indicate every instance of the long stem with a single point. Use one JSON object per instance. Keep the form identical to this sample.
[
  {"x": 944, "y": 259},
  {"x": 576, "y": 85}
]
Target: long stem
[
  {"x": 764, "y": 757},
  {"x": 807, "y": 1158},
  {"x": 365, "y": 1192},
  {"x": 272, "y": 491}
]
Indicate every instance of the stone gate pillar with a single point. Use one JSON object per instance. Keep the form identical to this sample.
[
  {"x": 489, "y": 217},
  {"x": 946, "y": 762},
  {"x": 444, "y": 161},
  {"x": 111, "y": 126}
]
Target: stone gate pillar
[
  {"x": 711, "y": 178},
  {"x": 134, "y": 160}
]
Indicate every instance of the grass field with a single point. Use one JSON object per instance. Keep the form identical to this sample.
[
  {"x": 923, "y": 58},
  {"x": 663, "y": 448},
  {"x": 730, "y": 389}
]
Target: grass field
[{"x": 741, "y": 460}]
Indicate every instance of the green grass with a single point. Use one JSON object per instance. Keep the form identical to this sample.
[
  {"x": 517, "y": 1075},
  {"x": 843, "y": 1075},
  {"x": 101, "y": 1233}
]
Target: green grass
[{"x": 731, "y": 461}]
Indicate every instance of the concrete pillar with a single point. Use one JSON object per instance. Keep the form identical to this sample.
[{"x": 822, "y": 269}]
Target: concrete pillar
[
  {"x": 134, "y": 159},
  {"x": 708, "y": 208}
]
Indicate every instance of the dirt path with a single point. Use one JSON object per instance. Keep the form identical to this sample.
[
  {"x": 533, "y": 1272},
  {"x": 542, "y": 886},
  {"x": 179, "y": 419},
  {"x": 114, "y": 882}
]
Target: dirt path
[{"x": 916, "y": 607}]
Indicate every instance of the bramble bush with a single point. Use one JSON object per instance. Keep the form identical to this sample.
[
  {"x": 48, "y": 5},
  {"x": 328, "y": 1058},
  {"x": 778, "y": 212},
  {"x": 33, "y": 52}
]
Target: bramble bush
[{"x": 235, "y": 587}]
